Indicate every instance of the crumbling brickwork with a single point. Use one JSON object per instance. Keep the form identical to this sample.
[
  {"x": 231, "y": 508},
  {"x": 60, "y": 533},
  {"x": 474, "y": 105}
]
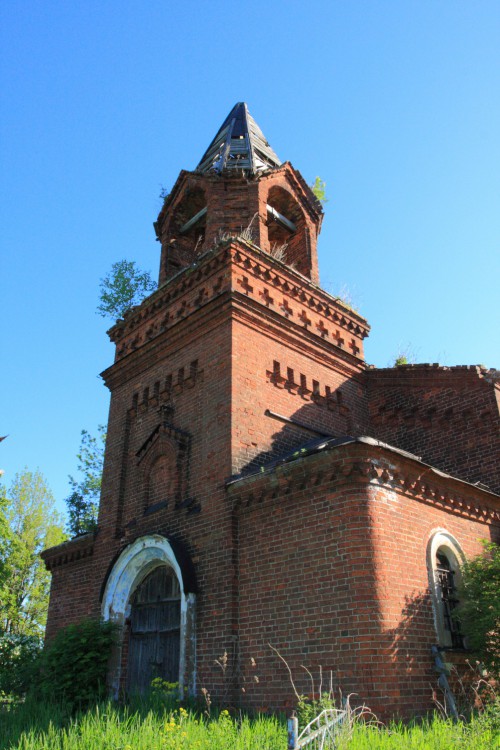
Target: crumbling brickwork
[{"x": 447, "y": 415}]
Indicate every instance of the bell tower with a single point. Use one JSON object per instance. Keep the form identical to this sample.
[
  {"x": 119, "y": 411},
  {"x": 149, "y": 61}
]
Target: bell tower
[
  {"x": 239, "y": 284},
  {"x": 240, "y": 187},
  {"x": 236, "y": 360}
]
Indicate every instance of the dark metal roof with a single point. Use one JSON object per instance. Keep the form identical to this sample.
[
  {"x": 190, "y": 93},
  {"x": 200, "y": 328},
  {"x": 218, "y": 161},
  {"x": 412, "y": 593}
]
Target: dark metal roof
[
  {"x": 320, "y": 445},
  {"x": 239, "y": 144}
]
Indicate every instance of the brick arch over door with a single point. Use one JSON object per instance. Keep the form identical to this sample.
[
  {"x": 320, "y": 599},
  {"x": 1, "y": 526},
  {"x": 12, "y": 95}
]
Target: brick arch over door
[{"x": 133, "y": 566}]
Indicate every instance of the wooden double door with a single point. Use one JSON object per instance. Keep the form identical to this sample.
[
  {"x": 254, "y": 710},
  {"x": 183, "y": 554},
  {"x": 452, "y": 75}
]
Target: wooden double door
[{"x": 154, "y": 639}]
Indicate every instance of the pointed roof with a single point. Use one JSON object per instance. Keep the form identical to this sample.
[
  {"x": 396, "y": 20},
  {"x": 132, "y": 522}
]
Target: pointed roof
[{"x": 239, "y": 144}]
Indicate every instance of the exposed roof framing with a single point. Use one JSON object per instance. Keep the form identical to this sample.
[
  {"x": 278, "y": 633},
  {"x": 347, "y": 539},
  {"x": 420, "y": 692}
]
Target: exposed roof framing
[
  {"x": 192, "y": 221},
  {"x": 239, "y": 144},
  {"x": 280, "y": 218}
]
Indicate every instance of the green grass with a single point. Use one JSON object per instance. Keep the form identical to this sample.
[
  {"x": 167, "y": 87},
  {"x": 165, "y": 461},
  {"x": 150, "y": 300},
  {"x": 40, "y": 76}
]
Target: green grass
[
  {"x": 41, "y": 726},
  {"x": 107, "y": 727},
  {"x": 437, "y": 734}
]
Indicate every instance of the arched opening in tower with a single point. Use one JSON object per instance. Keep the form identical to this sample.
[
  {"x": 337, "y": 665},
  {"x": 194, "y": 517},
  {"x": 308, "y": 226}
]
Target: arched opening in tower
[
  {"x": 186, "y": 233},
  {"x": 287, "y": 231}
]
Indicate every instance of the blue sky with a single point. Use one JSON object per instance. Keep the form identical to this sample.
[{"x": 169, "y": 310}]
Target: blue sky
[{"x": 396, "y": 105}]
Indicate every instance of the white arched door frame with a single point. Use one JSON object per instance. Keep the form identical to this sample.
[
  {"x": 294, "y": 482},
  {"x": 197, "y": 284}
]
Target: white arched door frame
[{"x": 136, "y": 562}]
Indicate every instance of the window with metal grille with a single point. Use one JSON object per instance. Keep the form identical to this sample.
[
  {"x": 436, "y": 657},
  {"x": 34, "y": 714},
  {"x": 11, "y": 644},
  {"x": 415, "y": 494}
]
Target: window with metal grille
[{"x": 445, "y": 580}]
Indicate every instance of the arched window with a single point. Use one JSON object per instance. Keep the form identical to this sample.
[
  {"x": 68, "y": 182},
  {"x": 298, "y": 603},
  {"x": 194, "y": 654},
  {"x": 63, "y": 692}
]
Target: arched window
[{"x": 444, "y": 557}]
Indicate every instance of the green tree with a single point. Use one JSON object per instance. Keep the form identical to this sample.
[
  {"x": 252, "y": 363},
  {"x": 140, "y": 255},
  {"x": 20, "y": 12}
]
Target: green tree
[
  {"x": 479, "y": 610},
  {"x": 83, "y": 503},
  {"x": 5, "y": 535},
  {"x": 32, "y": 526},
  {"x": 125, "y": 286}
]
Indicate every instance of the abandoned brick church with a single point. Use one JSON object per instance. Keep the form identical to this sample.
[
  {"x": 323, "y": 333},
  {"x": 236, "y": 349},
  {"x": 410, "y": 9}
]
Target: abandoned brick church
[{"x": 262, "y": 484}]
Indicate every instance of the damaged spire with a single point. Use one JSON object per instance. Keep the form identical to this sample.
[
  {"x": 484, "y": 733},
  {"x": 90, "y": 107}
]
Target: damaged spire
[{"x": 239, "y": 144}]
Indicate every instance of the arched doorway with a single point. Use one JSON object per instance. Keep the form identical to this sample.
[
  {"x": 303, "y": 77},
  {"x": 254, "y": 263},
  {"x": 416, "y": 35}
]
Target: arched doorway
[
  {"x": 155, "y": 627},
  {"x": 151, "y": 596}
]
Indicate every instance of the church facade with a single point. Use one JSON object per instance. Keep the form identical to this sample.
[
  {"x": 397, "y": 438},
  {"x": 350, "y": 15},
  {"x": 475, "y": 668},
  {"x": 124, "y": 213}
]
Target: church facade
[{"x": 264, "y": 489}]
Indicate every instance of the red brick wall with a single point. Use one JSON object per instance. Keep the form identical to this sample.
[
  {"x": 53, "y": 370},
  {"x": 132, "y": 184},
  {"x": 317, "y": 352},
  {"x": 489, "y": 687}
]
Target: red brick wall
[
  {"x": 202, "y": 409},
  {"x": 317, "y": 394},
  {"x": 73, "y": 584},
  {"x": 448, "y": 416},
  {"x": 334, "y": 575},
  {"x": 401, "y": 668}
]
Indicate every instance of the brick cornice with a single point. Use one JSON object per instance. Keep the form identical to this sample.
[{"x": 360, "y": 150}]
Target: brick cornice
[
  {"x": 172, "y": 302},
  {"x": 269, "y": 323},
  {"x": 195, "y": 325},
  {"x": 71, "y": 551},
  {"x": 206, "y": 285},
  {"x": 198, "y": 284},
  {"x": 297, "y": 288},
  {"x": 329, "y": 471}
]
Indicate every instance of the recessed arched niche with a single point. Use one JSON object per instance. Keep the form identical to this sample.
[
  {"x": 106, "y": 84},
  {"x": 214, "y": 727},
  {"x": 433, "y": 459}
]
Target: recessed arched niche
[
  {"x": 162, "y": 479},
  {"x": 287, "y": 231}
]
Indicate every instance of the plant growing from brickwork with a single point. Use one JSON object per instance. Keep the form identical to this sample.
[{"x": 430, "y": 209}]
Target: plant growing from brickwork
[
  {"x": 164, "y": 194},
  {"x": 345, "y": 296},
  {"x": 124, "y": 286},
  {"x": 405, "y": 356},
  {"x": 83, "y": 503},
  {"x": 479, "y": 610},
  {"x": 73, "y": 666},
  {"x": 279, "y": 251},
  {"x": 319, "y": 189}
]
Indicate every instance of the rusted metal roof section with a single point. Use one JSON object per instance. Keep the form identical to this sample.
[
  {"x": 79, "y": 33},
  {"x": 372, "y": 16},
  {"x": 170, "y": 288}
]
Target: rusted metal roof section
[{"x": 239, "y": 144}]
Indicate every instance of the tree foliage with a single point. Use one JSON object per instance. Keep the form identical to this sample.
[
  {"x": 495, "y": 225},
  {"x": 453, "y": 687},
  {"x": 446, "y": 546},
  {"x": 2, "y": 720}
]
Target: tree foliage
[
  {"x": 32, "y": 526},
  {"x": 19, "y": 656},
  {"x": 479, "y": 611},
  {"x": 5, "y": 535},
  {"x": 124, "y": 286},
  {"x": 83, "y": 503}
]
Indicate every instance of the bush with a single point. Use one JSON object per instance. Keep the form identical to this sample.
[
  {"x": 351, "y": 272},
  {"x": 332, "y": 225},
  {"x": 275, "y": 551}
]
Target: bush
[
  {"x": 73, "y": 666},
  {"x": 479, "y": 610},
  {"x": 18, "y": 659}
]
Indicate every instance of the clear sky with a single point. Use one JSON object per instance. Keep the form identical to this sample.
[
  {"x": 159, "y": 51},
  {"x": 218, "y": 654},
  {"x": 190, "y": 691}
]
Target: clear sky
[{"x": 395, "y": 104}]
